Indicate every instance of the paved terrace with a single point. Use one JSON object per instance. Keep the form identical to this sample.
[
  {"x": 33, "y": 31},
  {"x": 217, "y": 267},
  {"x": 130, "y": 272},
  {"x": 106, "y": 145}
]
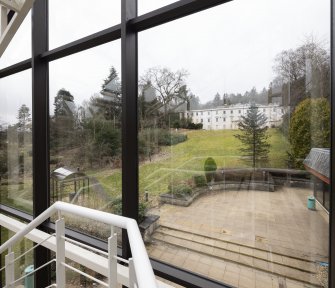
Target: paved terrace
[{"x": 246, "y": 238}]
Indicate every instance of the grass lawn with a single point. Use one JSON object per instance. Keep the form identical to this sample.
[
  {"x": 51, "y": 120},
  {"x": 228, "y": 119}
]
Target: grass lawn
[{"x": 187, "y": 159}]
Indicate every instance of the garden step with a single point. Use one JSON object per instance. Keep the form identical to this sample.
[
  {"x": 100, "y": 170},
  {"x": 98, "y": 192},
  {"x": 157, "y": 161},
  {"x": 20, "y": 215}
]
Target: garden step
[
  {"x": 274, "y": 258},
  {"x": 275, "y": 252},
  {"x": 250, "y": 261},
  {"x": 233, "y": 252}
]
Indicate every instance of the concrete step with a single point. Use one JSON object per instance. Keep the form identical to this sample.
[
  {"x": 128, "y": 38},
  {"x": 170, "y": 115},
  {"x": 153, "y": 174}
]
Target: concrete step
[
  {"x": 297, "y": 270},
  {"x": 274, "y": 250},
  {"x": 275, "y": 258}
]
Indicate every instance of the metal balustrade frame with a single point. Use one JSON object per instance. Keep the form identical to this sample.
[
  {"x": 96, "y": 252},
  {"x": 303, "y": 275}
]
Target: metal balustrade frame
[{"x": 140, "y": 270}]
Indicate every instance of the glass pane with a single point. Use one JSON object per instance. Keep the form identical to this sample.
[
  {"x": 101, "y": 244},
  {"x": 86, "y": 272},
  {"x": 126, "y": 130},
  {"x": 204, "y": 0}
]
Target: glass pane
[
  {"x": 20, "y": 47},
  {"x": 71, "y": 20},
  {"x": 234, "y": 126},
  {"x": 85, "y": 133},
  {"x": 16, "y": 141},
  {"x": 145, "y": 6},
  {"x": 22, "y": 264}
]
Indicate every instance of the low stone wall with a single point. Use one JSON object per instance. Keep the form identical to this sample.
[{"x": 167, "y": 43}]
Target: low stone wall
[
  {"x": 185, "y": 201},
  {"x": 268, "y": 186},
  {"x": 254, "y": 185},
  {"x": 148, "y": 227}
]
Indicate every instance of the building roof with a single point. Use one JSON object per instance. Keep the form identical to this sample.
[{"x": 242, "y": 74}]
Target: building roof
[
  {"x": 64, "y": 172},
  {"x": 317, "y": 162},
  {"x": 112, "y": 88}
]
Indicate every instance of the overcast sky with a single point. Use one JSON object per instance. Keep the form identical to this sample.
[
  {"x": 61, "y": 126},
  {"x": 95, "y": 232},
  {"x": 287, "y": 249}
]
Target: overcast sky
[{"x": 229, "y": 48}]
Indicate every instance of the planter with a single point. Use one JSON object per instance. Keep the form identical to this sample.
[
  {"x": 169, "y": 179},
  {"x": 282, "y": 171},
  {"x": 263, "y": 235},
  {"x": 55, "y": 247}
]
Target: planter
[
  {"x": 252, "y": 185},
  {"x": 267, "y": 186},
  {"x": 182, "y": 201},
  {"x": 148, "y": 226}
]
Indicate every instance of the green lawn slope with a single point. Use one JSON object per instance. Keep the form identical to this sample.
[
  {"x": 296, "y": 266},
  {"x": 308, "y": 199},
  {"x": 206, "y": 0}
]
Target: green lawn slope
[{"x": 182, "y": 161}]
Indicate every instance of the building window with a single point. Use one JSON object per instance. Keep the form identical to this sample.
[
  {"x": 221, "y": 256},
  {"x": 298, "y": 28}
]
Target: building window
[
  {"x": 231, "y": 111},
  {"x": 224, "y": 112},
  {"x": 239, "y": 111},
  {"x": 224, "y": 119},
  {"x": 202, "y": 121},
  {"x": 217, "y": 119},
  {"x": 209, "y": 120},
  {"x": 264, "y": 110}
]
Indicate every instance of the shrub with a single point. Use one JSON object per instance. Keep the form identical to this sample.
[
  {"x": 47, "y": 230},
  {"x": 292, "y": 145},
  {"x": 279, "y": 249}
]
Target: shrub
[
  {"x": 142, "y": 208},
  {"x": 199, "y": 180},
  {"x": 194, "y": 126},
  {"x": 187, "y": 124},
  {"x": 166, "y": 138},
  {"x": 54, "y": 160},
  {"x": 309, "y": 127},
  {"x": 149, "y": 139},
  {"x": 147, "y": 145},
  {"x": 180, "y": 190},
  {"x": 117, "y": 206},
  {"x": 210, "y": 168},
  {"x": 176, "y": 124}
]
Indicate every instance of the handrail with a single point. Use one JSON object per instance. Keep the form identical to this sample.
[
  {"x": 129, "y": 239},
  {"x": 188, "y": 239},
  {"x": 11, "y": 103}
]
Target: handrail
[{"x": 144, "y": 272}]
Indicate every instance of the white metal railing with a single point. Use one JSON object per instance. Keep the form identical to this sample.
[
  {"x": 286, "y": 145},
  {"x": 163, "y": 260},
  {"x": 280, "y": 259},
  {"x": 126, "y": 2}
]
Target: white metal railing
[{"x": 140, "y": 271}]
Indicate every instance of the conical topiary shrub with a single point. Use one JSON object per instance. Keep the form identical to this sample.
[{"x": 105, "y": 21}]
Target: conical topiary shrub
[{"x": 210, "y": 168}]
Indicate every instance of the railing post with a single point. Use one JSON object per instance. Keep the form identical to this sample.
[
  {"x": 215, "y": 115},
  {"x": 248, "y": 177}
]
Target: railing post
[
  {"x": 112, "y": 261},
  {"x": 10, "y": 275},
  {"x": 60, "y": 253},
  {"x": 132, "y": 274}
]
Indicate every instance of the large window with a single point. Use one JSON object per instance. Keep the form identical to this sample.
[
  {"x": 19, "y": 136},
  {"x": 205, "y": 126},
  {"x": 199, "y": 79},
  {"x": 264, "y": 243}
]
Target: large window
[
  {"x": 16, "y": 180},
  {"x": 209, "y": 124},
  {"x": 23, "y": 263},
  {"x": 17, "y": 49},
  {"x": 85, "y": 132},
  {"x": 80, "y": 18},
  {"x": 232, "y": 198}
]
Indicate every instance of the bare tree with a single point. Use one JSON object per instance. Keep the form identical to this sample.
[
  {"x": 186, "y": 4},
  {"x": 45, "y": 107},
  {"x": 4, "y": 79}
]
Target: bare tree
[
  {"x": 170, "y": 86},
  {"x": 304, "y": 72}
]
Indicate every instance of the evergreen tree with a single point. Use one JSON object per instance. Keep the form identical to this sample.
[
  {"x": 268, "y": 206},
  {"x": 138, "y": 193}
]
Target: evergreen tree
[
  {"x": 112, "y": 75},
  {"x": 217, "y": 101},
  {"x": 23, "y": 118},
  {"x": 110, "y": 103},
  {"x": 60, "y": 105},
  {"x": 62, "y": 124},
  {"x": 253, "y": 136}
]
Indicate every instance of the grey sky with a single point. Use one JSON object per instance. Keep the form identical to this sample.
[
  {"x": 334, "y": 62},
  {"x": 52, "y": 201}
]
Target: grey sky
[{"x": 226, "y": 49}]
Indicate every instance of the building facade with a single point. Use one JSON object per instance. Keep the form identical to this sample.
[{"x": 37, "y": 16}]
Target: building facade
[{"x": 228, "y": 117}]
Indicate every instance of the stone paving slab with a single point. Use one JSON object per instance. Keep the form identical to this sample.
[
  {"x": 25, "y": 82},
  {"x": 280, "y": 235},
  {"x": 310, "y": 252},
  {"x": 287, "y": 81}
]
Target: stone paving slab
[
  {"x": 234, "y": 257},
  {"x": 224, "y": 271},
  {"x": 266, "y": 230}
]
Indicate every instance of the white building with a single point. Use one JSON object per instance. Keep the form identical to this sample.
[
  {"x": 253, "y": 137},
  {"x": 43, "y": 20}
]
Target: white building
[{"x": 228, "y": 117}]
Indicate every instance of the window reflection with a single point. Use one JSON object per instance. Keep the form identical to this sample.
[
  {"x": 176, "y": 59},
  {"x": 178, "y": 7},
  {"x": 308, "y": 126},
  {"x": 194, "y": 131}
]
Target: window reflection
[
  {"x": 85, "y": 133},
  {"x": 80, "y": 18},
  {"x": 16, "y": 141},
  {"x": 228, "y": 173}
]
